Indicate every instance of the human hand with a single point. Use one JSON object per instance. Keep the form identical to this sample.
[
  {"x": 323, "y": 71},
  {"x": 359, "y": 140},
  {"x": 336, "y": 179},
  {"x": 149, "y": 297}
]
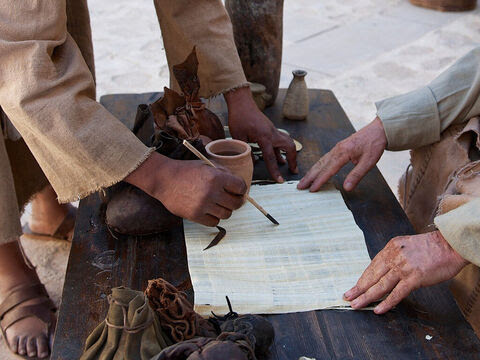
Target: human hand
[
  {"x": 249, "y": 124},
  {"x": 190, "y": 189},
  {"x": 405, "y": 264},
  {"x": 363, "y": 149}
]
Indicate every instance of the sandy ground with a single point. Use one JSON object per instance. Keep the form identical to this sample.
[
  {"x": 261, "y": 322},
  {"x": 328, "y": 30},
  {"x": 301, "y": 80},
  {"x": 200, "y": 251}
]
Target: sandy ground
[{"x": 364, "y": 50}]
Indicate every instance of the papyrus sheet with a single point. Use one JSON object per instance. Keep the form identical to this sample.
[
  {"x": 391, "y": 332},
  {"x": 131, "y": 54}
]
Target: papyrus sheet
[{"x": 306, "y": 263}]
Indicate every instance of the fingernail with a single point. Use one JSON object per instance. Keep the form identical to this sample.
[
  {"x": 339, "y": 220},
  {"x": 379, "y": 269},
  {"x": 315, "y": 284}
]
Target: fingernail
[
  {"x": 378, "y": 309},
  {"x": 280, "y": 179},
  {"x": 348, "y": 186},
  {"x": 355, "y": 303}
]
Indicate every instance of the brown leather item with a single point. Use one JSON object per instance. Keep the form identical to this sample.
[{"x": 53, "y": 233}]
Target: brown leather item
[
  {"x": 12, "y": 311},
  {"x": 231, "y": 346},
  {"x": 427, "y": 177},
  {"x": 256, "y": 328},
  {"x": 130, "y": 211},
  {"x": 163, "y": 125},
  {"x": 240, "y": 335},
  {"x": 133, "y": 212},
  {"x": 176, "y": 314},
  {"x": 185, "y": 116}
]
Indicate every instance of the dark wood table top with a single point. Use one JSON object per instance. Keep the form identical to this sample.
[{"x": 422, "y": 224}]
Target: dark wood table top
[{"x": 99, "y": 262}]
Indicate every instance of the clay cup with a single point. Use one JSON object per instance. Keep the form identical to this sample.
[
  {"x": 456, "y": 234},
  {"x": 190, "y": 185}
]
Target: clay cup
[{"x": 235, "y": 155}]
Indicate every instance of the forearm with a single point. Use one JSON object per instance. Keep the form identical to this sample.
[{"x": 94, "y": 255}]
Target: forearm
[
  {"x": 47, "y": 92},
  {"x": 418, "y": 118},
  {"x": 204, "y": 24}
]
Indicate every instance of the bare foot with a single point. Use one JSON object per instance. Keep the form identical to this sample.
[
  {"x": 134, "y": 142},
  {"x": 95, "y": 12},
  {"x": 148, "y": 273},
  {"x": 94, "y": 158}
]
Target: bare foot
[
  {"x": 30, "y": 335},
  {"x": 47, "y": 213}
]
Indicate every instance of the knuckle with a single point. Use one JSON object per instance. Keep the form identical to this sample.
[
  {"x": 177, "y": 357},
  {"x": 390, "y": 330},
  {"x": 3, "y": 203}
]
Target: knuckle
[
  {"x": 362, "y": 299},
  {"x": 211, "y": 177},
  {"x": 360, "y": 286},
  {"x": 394, "y": 298},
  {"x": 355, "y": 175},
  {"x": 269, "y": 156},
  {"x": 382, "y": 284},
  {"x": 344, "y": 146}
]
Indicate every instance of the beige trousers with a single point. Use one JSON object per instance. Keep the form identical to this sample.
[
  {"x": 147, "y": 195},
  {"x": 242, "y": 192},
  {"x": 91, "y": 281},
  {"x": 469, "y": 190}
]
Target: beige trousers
[{"x": 21, "y": 176}]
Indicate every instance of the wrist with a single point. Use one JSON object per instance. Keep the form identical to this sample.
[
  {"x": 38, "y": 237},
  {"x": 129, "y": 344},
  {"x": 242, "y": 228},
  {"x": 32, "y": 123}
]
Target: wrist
[
  {"x": 382, "y": 137},
  {"x": 151, "y": 175},
  {"x": 239, "y": 98},
  {"x": 454, "y": 257}
]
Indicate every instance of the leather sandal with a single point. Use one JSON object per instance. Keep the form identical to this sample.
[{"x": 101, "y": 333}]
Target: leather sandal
[
  {"x": 61, "y": 233},
  {"x": 12, "y": 311}
]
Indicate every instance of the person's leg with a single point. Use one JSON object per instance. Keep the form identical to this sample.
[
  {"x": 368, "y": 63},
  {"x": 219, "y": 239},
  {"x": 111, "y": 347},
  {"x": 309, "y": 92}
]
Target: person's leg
[
  {"x": 47, "y": 213},
  {"x": 48, "y": 216},
  {"x": 28, "y": 335},
  {"x": 30, "y": 183},
  {"x": 78, "y": 26}
]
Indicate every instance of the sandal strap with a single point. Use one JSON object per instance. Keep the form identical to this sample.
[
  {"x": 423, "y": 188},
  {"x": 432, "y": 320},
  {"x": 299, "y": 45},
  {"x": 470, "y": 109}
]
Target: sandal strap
[
  {"x": 19, "y": 295},
  {"x": 41, "y": 311}
]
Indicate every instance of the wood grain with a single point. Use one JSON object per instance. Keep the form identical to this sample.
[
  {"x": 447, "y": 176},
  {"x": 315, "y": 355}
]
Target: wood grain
[{"x": 99, "y": 262}]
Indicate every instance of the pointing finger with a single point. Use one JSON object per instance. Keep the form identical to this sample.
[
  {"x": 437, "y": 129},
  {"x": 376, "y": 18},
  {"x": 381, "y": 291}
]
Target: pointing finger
[{"x": 271, "y": 161}]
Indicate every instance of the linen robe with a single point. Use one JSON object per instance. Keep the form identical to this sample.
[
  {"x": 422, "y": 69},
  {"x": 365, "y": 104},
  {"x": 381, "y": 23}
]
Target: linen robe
[{"x": 47, "y": 92}]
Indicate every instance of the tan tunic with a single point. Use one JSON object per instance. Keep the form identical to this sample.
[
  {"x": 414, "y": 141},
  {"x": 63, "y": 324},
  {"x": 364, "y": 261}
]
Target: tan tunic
[
  {"x": 419, "y": 117},
  {"x": 48, "y": 92}
]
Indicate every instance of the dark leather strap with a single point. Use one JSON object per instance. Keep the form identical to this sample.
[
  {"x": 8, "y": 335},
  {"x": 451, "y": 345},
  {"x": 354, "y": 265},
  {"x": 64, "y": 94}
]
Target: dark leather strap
[
  {"x": 67, "y": 224},
  {"x": 42, "y": 311},
  {"x": 21, "y": 294}
]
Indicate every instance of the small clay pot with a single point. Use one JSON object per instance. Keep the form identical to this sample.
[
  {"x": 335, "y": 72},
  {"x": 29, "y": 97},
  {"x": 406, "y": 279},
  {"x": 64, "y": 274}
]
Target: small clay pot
[
  {"x": 235, "y": 155},
  {"x": 296, "y": 103},
  {"x": 259, "y": 93}
]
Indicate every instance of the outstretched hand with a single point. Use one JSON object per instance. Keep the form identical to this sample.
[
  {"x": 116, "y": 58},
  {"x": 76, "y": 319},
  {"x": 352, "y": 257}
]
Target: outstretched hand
[
  {"x": 405, "y": 264},
  {"x": 363, "y": 149},
  {"x": 249, "y": 124}
]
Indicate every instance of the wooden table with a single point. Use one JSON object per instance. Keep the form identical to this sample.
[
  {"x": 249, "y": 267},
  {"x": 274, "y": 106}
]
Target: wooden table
[{"x": 98, "y": 262}]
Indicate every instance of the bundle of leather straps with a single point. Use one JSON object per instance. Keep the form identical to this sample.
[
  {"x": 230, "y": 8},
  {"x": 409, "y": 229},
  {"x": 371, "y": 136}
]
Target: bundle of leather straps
[{"x": 162, "y": 325}]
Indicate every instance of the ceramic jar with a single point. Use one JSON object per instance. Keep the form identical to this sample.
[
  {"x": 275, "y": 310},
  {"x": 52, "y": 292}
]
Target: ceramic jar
[
  {"x": 260, "y": 95},
  {"x": 258, "y": 32},
  {"x": 296, "y": 103},
  {"x": 235, "y": 155}
]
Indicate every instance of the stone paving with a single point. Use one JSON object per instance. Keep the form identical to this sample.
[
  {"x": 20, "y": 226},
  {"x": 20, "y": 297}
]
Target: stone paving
[{"x": 363, "y": 50}]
